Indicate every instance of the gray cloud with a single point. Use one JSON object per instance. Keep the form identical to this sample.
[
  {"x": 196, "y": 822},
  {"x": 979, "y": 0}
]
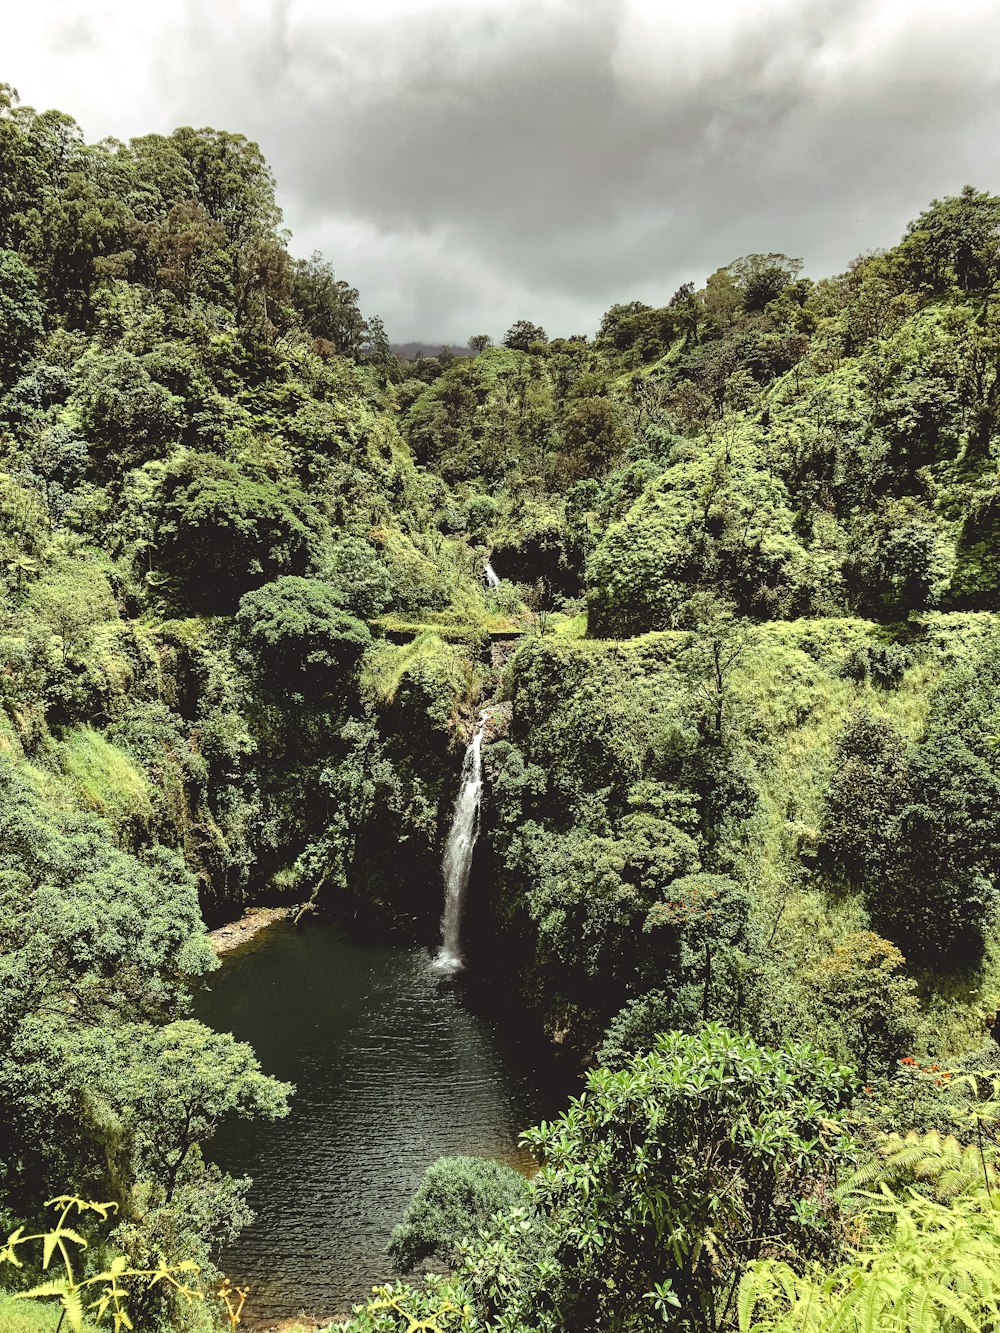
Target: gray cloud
[{"x": 469, "y": 162}]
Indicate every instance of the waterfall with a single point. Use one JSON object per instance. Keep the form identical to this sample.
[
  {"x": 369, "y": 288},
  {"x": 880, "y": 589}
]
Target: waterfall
[
  {"x": 492, "y": 577},
  {"x": 458, "y": 853}
]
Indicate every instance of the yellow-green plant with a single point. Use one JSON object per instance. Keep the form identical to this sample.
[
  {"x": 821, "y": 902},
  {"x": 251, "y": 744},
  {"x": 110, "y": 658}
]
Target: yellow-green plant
[
  {"x": 448, "y": 1315},
  {"x": 936, "y": 1270},
  {"x": 437, "y": 1305},
  {"x": 234, "y": 1299},
  {"x": 976, "y": 1111},
  {"x": 450, "y": 665},
  {"x": 949, "y": 1167},
  {"x": 983, "y": 1114},
  {"x": 106, "y": 1293}
]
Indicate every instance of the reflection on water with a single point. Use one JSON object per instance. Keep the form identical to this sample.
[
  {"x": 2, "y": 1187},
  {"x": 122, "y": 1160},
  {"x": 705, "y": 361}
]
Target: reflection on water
[{"x": 392, "y": 1070}]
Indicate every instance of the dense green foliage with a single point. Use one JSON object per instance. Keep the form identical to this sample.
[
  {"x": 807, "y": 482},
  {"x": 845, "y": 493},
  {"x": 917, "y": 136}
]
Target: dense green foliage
[
  {"x": 705, "y": 1136},
  {"x": 712, "y": 1185},
  {"x": 742, "y": 767},
  {"x": 456, "y": 1197},
  {"x": 935, "y": 1270}
]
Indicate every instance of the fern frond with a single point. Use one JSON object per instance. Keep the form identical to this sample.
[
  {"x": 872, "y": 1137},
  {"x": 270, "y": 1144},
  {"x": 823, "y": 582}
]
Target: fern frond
[
  {"x": 56, "y": 1286},
  {"x": 953, "y": 1167},
  {"x": 73, "y": 1306}
]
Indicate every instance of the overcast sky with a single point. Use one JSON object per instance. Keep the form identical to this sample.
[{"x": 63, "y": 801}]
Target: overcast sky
[{"x": 466, "y": 163}]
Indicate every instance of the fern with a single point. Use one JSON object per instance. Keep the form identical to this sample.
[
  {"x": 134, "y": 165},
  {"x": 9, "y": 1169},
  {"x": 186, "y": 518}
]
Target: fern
[
  {"x": 937, "y": 1271},
  {"x": 107, "y": 1292},
  {"x": 951, "y": 1167}
]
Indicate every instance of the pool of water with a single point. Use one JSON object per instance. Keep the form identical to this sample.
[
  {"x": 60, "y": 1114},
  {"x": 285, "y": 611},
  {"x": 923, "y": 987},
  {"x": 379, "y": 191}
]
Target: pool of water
[{"x": 393, "y": 1067}]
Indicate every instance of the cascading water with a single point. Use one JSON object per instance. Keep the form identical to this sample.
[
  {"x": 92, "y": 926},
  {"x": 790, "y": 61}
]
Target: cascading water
[
  {"x": 492, "y": 577},
  {"x": 458, "y": 852}
]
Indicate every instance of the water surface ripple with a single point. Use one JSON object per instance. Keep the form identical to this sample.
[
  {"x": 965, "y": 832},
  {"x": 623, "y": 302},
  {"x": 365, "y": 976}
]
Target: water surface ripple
[{"x": 392, "y": 1070}]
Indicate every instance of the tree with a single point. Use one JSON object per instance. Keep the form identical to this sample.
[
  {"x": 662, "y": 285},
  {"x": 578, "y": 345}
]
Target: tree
[
  {"x": 125, "y": 416},
  {"x": 716, "y": 521},
  {"x": 703, "y": 929},
  {"x": 589, "y": 897},
  {"x": 55, "y": 460},
  {"x": 169, "y": 1089},
  {"x": 956, "y": 241},
  {"x": 23, "y": 533},
  {"x": 722, "y": 301},
  {"x": 591, "y": 436},
  {"x": 708, "y": 1136},
  {"x": 869, "y": 788},
  {"x": 294, "y": 636},
  {"x": 359, "y": 577},
  {"x": 188, "y": 254},
  {"x": 636, "y": 1028},
  {"x": 865, "y": 1005},
  {"x": 976, "y": 581},
  {"x": 900, "y": 559},
  {"x": 719, "y": 644},
  {"x": 221, "y": 532},
  {"x": 328, "y": 306},
  {"x": 93, "y": 941},
  {"x": 20, "y": 315},
  {"x": 180, "y": 1083},
  {"x": 523, "y": 335},
  {"x": 479, "y": 343},
  {"x": 940, "y": 908},
  {"x": 762, "y": 278},
  {"x": 685, "y": 308},
  {"x": 915, "y": 827},
  {"x": 378, "y": 350},
  {"x": 234, "y": 184}
]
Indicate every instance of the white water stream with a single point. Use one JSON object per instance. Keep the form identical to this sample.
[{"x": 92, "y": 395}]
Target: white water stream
[
  {"x": 458, "y": 852},
  {"x": 492, "y": 577}
]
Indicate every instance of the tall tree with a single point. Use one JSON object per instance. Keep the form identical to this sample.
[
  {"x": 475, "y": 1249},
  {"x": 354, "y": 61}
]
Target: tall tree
[{"x": 522, "y": 335}]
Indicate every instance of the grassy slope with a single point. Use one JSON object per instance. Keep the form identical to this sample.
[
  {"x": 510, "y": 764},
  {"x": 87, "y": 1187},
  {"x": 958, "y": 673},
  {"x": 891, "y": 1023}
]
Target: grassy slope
[
  {"x": 30, "y": 1316},
  {"x": 803, "y": 704}
]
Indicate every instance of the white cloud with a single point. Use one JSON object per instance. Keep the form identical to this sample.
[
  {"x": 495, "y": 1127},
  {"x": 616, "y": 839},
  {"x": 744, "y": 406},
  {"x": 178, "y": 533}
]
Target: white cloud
[
  {"x": 466, "y": 162},
  {"x": 666, "y": 48}
]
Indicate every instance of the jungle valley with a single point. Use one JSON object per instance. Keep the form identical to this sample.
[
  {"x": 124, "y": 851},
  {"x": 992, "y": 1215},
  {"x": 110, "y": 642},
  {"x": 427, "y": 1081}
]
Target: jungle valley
[{"x": 733, "y": 691}]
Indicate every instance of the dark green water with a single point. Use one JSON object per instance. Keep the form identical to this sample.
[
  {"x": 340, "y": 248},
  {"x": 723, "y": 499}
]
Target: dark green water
[{"x": 393, "y": 1068}]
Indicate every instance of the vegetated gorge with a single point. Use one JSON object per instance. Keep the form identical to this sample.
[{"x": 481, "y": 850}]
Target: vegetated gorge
[{"x": 620, "y": 716}]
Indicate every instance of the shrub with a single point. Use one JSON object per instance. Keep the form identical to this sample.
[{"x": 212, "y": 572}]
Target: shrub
[
  {"x": 125, "y": 415},
  {"x": 636, "y": 1028},
  {"x": 708, "y": 1135},
  {"x": 456, "y": 1196},
  {"x": 865, "y": 1005},
  {"x": 358, "y": 577},
  {"x": 881, "y": 663}
]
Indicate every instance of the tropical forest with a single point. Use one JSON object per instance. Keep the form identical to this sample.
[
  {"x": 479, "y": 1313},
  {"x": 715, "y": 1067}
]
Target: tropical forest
[{"x": 504, "y": 840}]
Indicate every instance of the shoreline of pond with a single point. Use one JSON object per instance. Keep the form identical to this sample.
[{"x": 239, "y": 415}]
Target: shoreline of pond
[{"x": 254, "y": 920}]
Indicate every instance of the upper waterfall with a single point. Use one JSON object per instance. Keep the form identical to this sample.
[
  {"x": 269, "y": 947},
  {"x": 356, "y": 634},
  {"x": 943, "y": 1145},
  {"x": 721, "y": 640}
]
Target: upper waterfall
[
  {"x": 458, "y": 852},
  {"x": 492, "y": 577}
]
